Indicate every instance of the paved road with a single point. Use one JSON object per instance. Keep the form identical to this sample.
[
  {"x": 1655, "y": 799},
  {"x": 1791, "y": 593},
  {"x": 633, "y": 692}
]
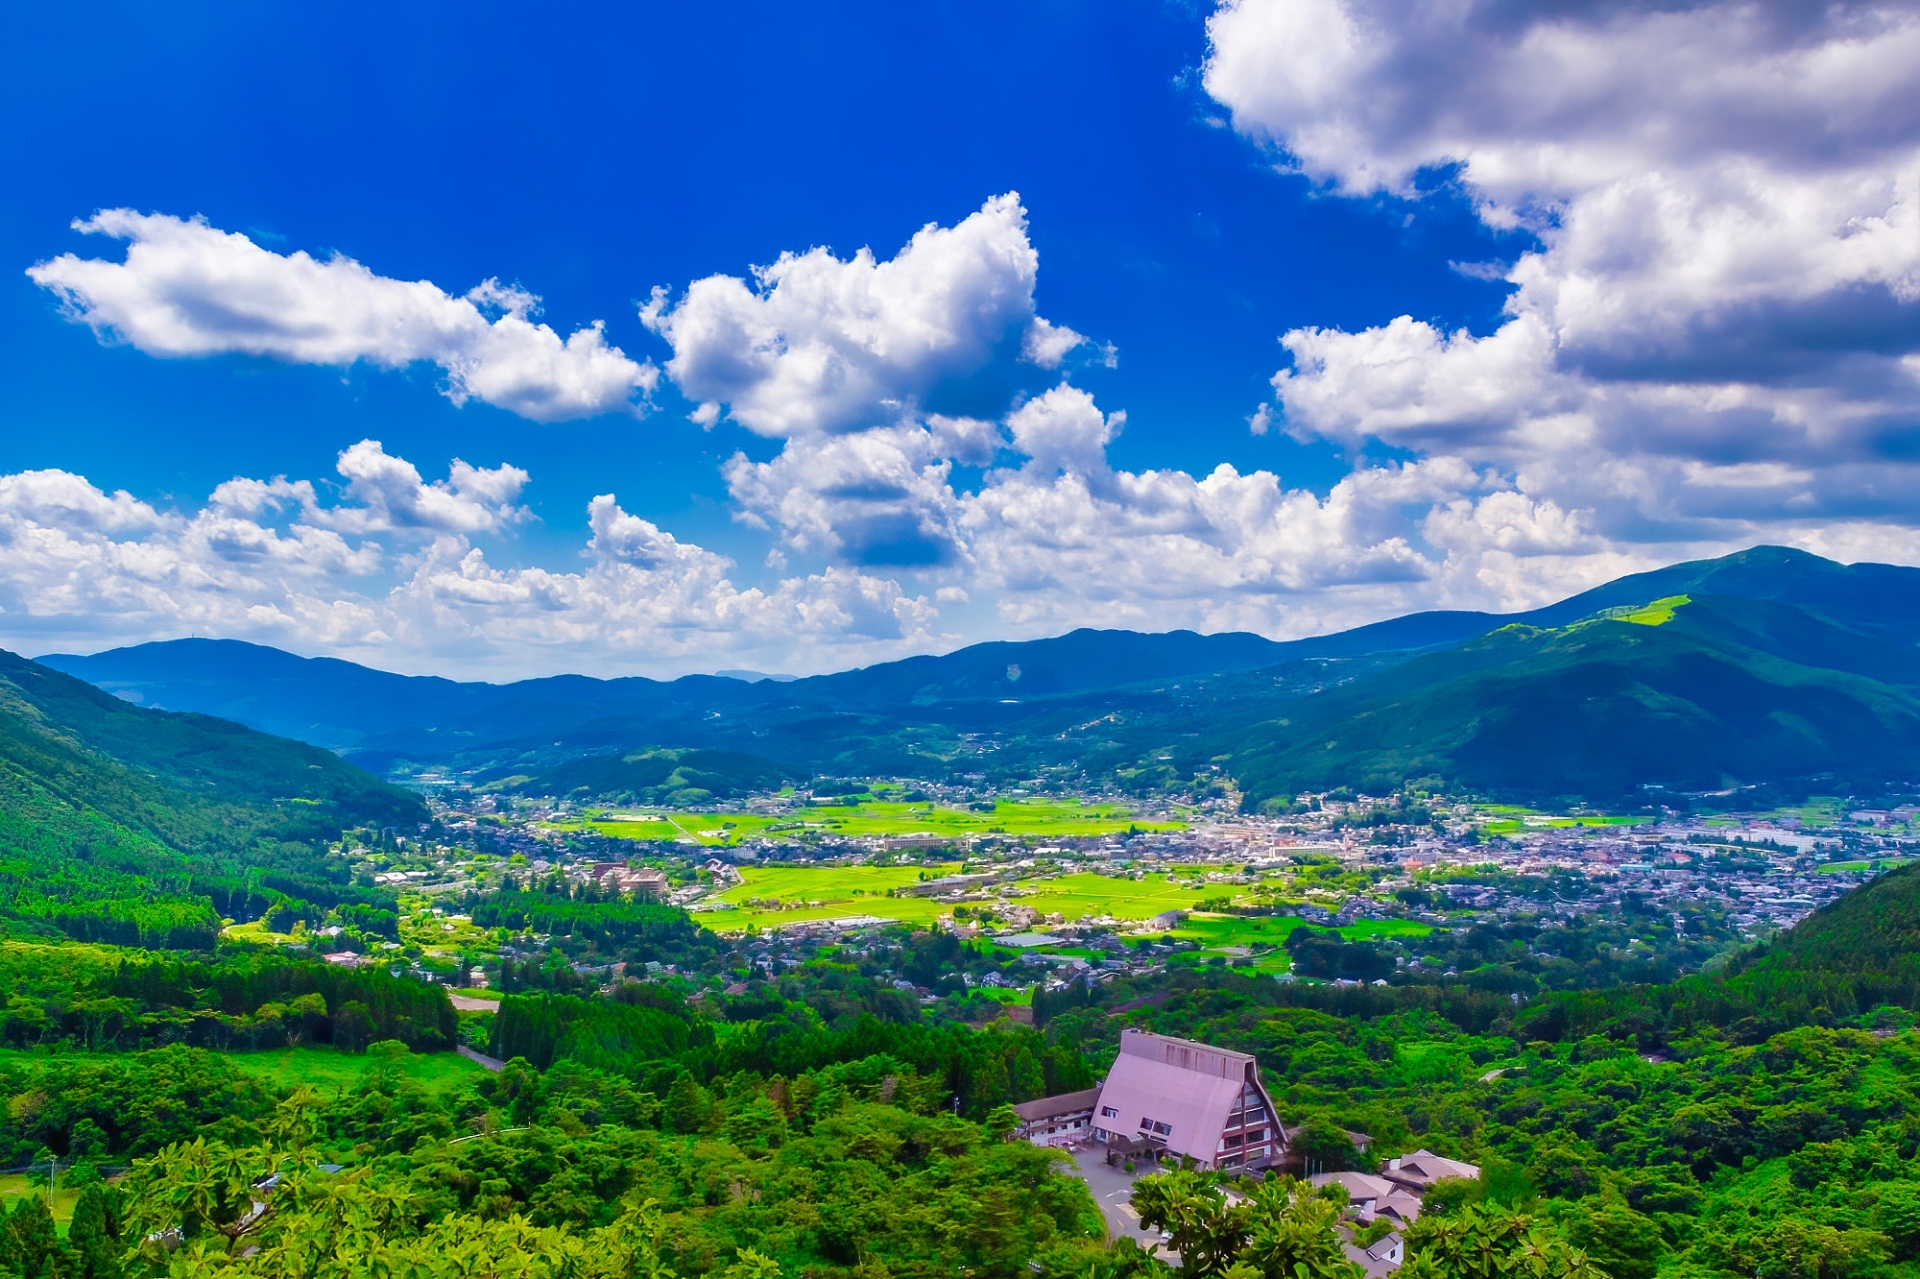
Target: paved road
[
  {"x": 1113, "y": 1190},
  {"x": 491, "y": 1063}
]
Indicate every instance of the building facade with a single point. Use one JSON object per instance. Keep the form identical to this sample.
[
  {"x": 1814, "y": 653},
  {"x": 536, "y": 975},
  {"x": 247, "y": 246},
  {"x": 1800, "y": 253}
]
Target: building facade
[
  {"x": 1057, "y": 1121},
  {"x": 1188, "y": 1099}
]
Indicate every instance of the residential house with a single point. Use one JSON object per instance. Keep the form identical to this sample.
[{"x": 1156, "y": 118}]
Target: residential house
[{"x": 1416, "y": 1173}]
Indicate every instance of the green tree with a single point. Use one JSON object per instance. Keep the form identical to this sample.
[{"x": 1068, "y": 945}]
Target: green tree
[
  {"x": 1624, "y": 1243},
  {"x": 687, "y": 1106},
  {"x": 35, "y": 1247},
  {"x": 1281, "y": 1230},
  {"x": 1493, "y": 1243},
  {"x": 93, "y": 1236},
  {"x": 1325, "y": 1146}
]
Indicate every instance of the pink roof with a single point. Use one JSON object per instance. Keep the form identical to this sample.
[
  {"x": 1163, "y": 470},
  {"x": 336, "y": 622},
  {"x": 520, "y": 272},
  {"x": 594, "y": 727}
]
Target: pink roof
[{"x": 1188, "y": 1086}]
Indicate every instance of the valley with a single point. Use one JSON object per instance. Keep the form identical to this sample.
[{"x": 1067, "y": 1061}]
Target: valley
[{"x": 1667, "y": 1011}]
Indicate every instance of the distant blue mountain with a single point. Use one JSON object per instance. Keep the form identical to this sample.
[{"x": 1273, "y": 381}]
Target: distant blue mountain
[{"x": 914, "y": 716}]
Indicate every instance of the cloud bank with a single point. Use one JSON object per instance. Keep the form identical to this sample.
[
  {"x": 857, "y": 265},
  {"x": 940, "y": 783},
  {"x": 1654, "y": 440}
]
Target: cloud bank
[
  {"x": 1715, "y": 330},
  {"x": 391, "y": 572}
]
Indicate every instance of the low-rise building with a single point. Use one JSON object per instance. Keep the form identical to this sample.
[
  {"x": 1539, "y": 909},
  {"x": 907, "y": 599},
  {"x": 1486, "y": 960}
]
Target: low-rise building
[
  {"x": 1416, "y": 1173},
  {"x": 1370, "y": 1196},
  {"x": 1056, "y": 1121}
]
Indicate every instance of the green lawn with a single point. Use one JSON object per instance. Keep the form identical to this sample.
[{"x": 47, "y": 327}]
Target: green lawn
[
  {"x": 326, "y": 1069},
  {"x": 1038, "y": 819},
  {"x": 14, "y": 1185}
]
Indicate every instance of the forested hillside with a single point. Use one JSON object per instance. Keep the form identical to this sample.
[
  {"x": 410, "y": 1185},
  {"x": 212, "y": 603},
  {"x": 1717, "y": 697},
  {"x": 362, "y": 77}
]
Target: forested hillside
[
  {"x": 142, "y": 827},
  {"x": 643, "y": 1132},
  {"x": 1686, "y": 693}
]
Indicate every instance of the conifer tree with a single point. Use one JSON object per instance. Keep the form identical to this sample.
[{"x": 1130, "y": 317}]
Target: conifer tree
[
  {"x": 93, "y": 1236},
  {"x": 35, "y": 1246}
]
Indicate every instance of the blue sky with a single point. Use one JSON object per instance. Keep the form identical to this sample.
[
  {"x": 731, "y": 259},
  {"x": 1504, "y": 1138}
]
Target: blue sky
[{"x": 1192, "y": 195}]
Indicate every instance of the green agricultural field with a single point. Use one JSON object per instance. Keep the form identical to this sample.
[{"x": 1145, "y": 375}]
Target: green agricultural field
[
  {"x": 1087, "y": 893},
  {"x": 807, "y": 893},
  {"x": 1033, "y": 819},
  {"x": 1819, "y": 810},
  {"x": 1215, "y": 933},
  {"x": 1881, "y": 863},
  {"x": 1383, "y": 929},
  {"x": 1537, "y": 821}
]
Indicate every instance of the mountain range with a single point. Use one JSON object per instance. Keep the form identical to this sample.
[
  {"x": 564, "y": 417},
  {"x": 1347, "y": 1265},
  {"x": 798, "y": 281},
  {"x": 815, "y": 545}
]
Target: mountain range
[{"x": 1770, "y": 666}]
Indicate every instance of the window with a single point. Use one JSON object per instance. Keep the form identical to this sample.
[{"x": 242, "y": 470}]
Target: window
[
  {"x": 1258, "y": 1134},
  {"x": 1163, "y": 1129},
  {"x": 1234, "y": 1139},
  {"x": 1108, "y": 1112}
]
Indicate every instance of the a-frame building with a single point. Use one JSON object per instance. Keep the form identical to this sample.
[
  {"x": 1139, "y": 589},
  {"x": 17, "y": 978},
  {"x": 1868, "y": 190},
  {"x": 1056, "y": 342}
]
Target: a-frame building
[{"x": 1190, "y": 1099}]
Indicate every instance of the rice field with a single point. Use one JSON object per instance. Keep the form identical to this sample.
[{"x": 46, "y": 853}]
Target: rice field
[
  {"x": 1021, "y": 818},
  {"x": 1520, "y": 823},
  {"x": 1237, "y": 936}
]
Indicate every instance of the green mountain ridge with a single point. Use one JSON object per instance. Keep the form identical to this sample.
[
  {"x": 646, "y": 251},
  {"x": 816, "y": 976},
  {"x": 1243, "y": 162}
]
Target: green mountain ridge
[
  {"x": 1728, "y": 692},
  {"x": 144, "y": 827}
]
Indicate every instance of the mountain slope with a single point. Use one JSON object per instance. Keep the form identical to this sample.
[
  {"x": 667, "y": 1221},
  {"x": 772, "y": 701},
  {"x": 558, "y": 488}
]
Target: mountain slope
[
  {"x": 1724, "y": 692},
  {"x": 1846, "y": 959},
  {"x": 122, "y": 824}
]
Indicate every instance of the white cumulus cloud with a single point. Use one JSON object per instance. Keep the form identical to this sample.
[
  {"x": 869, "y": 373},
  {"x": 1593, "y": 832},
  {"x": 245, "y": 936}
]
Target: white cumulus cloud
[
  {"x": 820, "y": 344},
  {"x": 188, "y": 289}
]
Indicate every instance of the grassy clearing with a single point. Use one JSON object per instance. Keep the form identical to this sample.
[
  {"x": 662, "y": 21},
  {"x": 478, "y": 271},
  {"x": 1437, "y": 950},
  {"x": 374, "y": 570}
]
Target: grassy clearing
[
  {"x": 1036, "y": 819},
  {"x": 1658, "y": 613},
  {"x": 17, "y": 1185},
  {"x": 324, "y": 1069}
]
